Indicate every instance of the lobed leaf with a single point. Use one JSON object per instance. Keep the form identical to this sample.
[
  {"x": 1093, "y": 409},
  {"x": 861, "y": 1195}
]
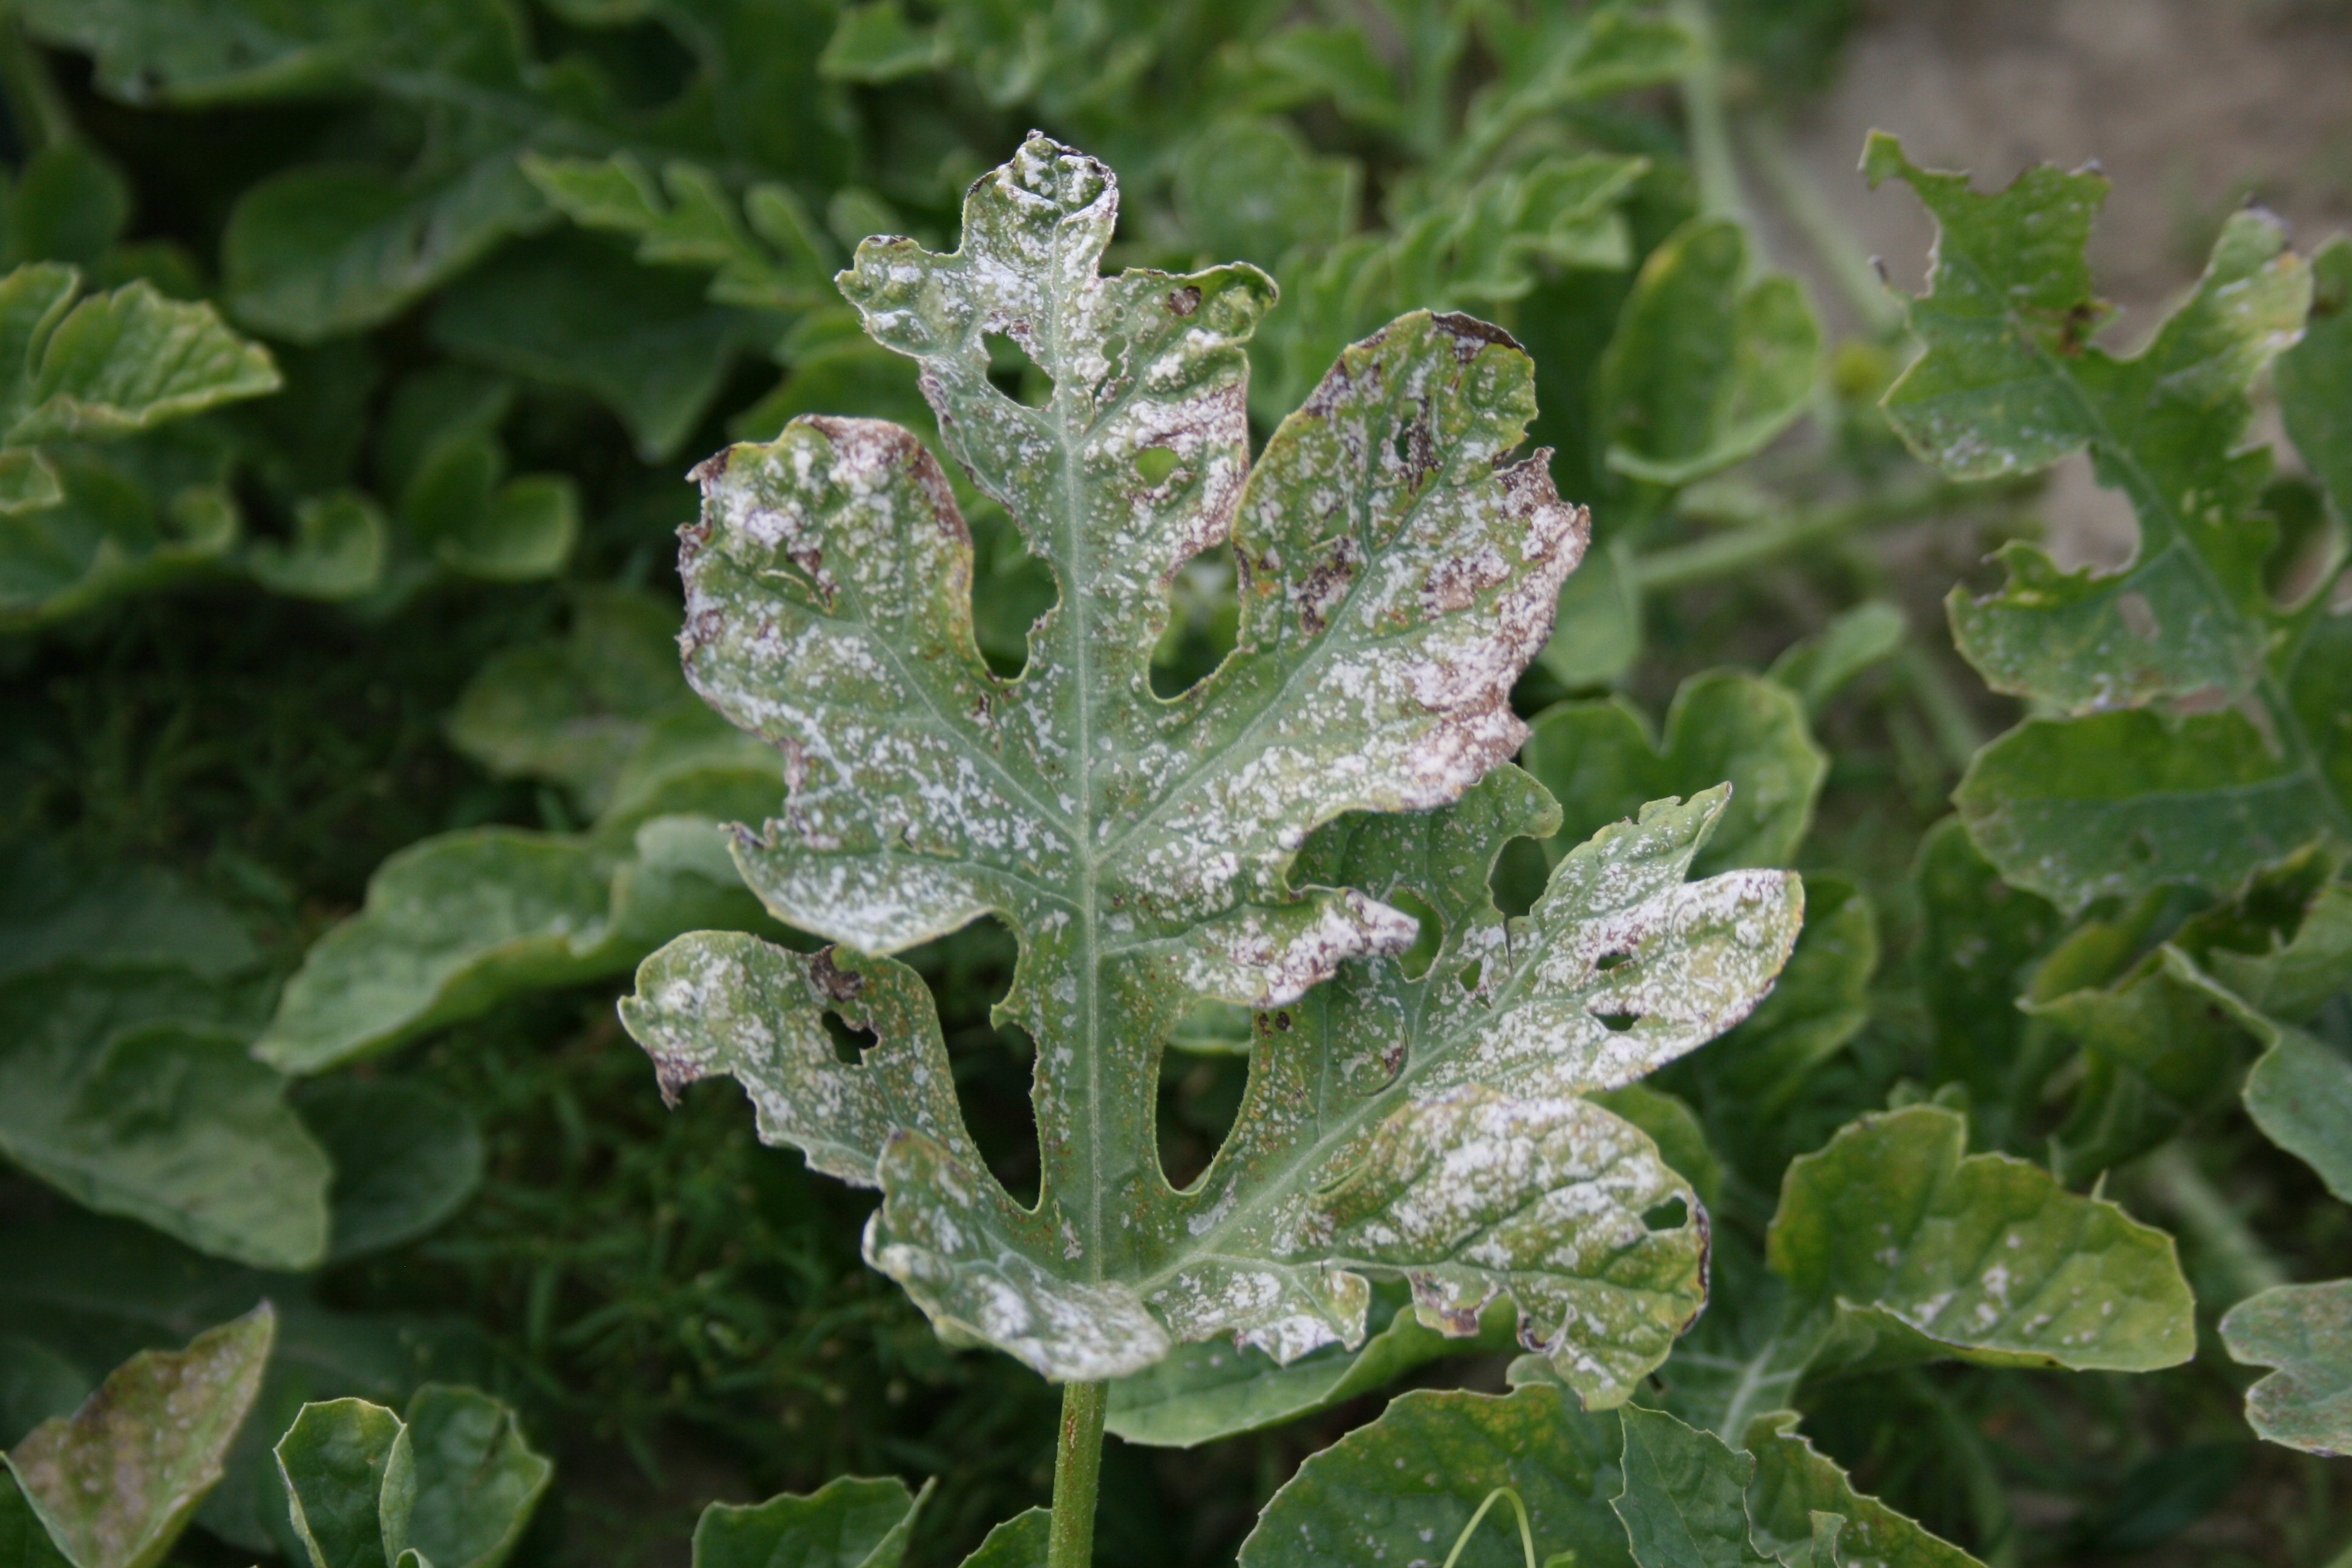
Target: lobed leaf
[
  {"x": 1685, "y": 1503},
  {"x": 1909, "y": 1247},
  {"x": 1796, "y": 1487},
  {"x": 117, "y": 1481},
  {"x": 2305, "y": 1331},
  {"x": 1398, "y": 570}
]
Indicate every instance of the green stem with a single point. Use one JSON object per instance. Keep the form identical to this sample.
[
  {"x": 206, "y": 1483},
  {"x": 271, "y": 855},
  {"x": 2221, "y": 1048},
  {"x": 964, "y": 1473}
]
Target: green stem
[
  {"x": 1742, "y": 550},
  {"x": 2210, "y": 1219},
  {"x": 1077, "y": 1471},
  {"x": 1946, "y": 712},
  {"x": 1712, "y": 160}
]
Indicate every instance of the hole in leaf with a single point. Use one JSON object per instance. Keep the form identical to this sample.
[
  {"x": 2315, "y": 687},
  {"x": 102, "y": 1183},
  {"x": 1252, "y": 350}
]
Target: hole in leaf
[
  {"x": 1014, "y": 374},
  {"x": 849, "y": 1046},
  {"x": 1155, "y": 464},
  {"x": 969, "y": 972},
  {"x": 1200, "y": 1097},
  {"x": 1204, "y": 621},
  {"x": 1469, "y": 975},
  {"x": 1416, "y": 960},
  {"x": 1518, "y": 877},
  {"x": 1672, "y": 1214},
  {"x": 1010, "y": 589},
  {"x": 1609, "y": 961},
  {"x": 1618, "y": 1023}
]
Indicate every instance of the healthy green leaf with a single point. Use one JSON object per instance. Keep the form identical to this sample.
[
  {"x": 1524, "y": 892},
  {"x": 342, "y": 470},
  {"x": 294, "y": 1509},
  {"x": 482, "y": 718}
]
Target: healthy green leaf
[
  {"x": 1796, "y": 1485},
  {"x": 1600, "y": 761},
  {"x": 1685, "y": 1503},
  {"x": 117, "y": 1481},
  {"x": 1909, "y": 1248},
  {"x": 132, "y": 515},
  {"x": 1979, "y": 940},
  {"x": 1706, "y": 366},
  {"x": 56, "y": 909},
  {"x": 1403, "y": 1487},
  {"x": 1020, "y": 1541},
  {"x": 849, "y": 1522},
  {"x": 340, "y": 550},
  {"x": 2300, "y": 1094},
  {"x": 1144, "y": 849},
  {"x": 128, "y": 1094},
  {"x": 115, "y": 363},
  {"x": 2314, "y": 377},
  {"x": 451, "y": 1483},
  {"x": 2305, "y": 1331}
]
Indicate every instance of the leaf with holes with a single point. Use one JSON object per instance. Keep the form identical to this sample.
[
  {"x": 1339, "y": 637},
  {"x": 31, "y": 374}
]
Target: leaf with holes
[{"x": 1397, "y": 570}]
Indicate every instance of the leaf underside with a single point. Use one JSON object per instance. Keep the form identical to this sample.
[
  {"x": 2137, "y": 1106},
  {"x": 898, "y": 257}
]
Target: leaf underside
[{"x": 1234, "y": 843}]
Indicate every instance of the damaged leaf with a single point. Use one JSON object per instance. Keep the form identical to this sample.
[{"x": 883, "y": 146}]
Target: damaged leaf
[{"x": 1398, "y": 570}]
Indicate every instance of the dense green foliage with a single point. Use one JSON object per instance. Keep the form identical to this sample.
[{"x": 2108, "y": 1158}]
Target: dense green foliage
[{"x": 348, "y": 770}]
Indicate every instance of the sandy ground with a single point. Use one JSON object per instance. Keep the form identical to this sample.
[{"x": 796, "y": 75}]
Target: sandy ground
[{"x": 2192, "y": 108}]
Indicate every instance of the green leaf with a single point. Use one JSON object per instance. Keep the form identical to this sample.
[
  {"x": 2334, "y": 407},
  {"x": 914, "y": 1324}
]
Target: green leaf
[
  {"x": 27, "y": 482},
  {"x": 1254, "y": 188},
  {"x": 1796, "y": 1485},
  {"x": 1203, "y": 1392},
  {"x": 849, "y": 1522},
  {"x": 338, "y": 551},
  {"x": 574, "y": 312},
  {"x": 1907, "y": 1247},
  {"x": 1674, "y": 1128},
  {"x": 875, "y": 43},
  {"x": 2114, "y": 805},
  {"x": 1685, "y": 1503},
  {"x": 456, "y": 923},
  {"x": 2108, "y": 802},
  {"x": 25, "y": 1542},
  {"x": 687, "y": 220},
  {"x": 118, "y": 1481},
  {"x": 2300, "y": 1094},
  {"x": 2305, "y": 1331},
  {"x": 317, "y": 250},
  {"x": 1598, "y": 632},
  {"x": 1706, "y": 366},
  {"x": 449, "y": 1484},
  {"x": 129, "y": 1096},
  {"x": 1817, "y": 668},
  {"x": 1150, "y": 853},
  {"x": 1018, "y": 1542},
  {"x": 2314, "y": 380},
  {"x": 1598, "y": 761},
  {"x": 135, "y": 514},
  {"x": 70, "y": 203},
  {"x": 405, "y": 1158},
  {"x": 1979, "y": 941},
  {"x": 120, "y": 362},
  {"x": 1402, "y": 1489},
  {"x": 107, "y": 914}
]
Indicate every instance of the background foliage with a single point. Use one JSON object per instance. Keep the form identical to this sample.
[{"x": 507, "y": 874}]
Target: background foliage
[{"x": 345, "y": 768}]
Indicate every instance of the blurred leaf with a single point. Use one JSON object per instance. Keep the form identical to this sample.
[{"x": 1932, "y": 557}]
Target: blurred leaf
[
  {"x": 129, "y": 1097},
  {"x": 2300, "y": 1094},
  {"x": 451, "y": 1484},
  {"x": 1707, "y": 366},
  {"x": 25, "y": 1542},
  {"x": 405, "y": 1158},
  {"x": 118, "y": 1479},
  {"x": 1911, "y": 1249},
  {"x": 2305, "y": 1331},
  {"x": 115, "y": 363},
  {"x": 1253, "y": 190},
  {"x": 1599, "y": 761},
  {"x": 849, "y": 1522},
  {"x": 876, "y": 43},
  {"x": 2314, "y": 379},
  {"x": 317, "y": 250},
  {"x": 338, "y": 551},
  {"x": 690, "y": 221},
  {"x": 1979, "y": 940},
  {"x": 56, "y": 909},
  {"x": 1402, "y": 1488},
  {"x": 68, "y": 202},
  {"x": 1597, "y": 632},
  {"x": 1817, "y": 668},
  {"x": 573, "y": 311},
  {"x": 1822, "y": 1001}
]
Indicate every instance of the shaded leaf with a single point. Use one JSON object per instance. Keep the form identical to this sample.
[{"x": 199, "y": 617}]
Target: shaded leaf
[
  {"x": 1685, "y": 1503},
  {"x": 338, "y": 551},
  {"x": 1795, "y": 1485},
  {"x": 1598, "y": 632},
  {"x": 24, "y": 1540},
  {"x": 1979, "y": 941},
  {"x": 407, "y": 1158},
  {"x": 1020, "y": 1541},
  {"x": 849, "y": 1522},
  {"x": 131, "y": 1097},
  {"x": 117, "y": 1481},
  {"x": 334, "y": 1459},
  {"x": 1819, "y": 667},
  {"x": 2305, "y": 1331},
  {"x": 449, "y": 1484},
  {"x": 2314, "y": 377},
  {"x": 1600, "y": 761},
  {"x": 57, "y": 909}
]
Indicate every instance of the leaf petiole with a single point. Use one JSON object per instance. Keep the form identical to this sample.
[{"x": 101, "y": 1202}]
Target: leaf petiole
[
  {"x": 1078, "y": 1472},
  {"x": 1526, "y": 1535}
]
